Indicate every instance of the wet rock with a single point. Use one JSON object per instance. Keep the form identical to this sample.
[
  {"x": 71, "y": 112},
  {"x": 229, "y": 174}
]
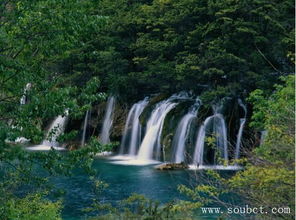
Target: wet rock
[
  {"x": 119, "y": 118},
  {"x": 172, "y": 166}
]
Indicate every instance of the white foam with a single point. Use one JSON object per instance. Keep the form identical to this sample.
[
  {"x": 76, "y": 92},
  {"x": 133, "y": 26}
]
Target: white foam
[
  {"x": 215, "y": 167},
  {"x": 22, "y": 140},
  {"x": 43, "y": 148},
  {"x": 105, "y": 153}
]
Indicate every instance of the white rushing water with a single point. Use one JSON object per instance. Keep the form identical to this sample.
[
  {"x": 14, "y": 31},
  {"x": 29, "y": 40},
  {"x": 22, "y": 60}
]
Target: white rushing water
[
  {"x": 199, "y": 146},
  {"x": 86, "y": 118},
  {"x": 182, "y": 132},
  {"x": 132, "y": 132},
  {"x": 56, "y": 128},
  {"x": 151, "y": 142},
  {"x": 220, "y": 134},
  {"x": 108, "y": 120},
  {"x": 240, "y": 131},
  {"x": 215, "y": 167},
  {"x": 23, "y": 99}
]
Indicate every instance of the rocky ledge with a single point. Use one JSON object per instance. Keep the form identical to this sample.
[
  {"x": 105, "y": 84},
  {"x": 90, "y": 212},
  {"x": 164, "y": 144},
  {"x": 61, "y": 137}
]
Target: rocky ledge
[{"x": 172, "y": 166}]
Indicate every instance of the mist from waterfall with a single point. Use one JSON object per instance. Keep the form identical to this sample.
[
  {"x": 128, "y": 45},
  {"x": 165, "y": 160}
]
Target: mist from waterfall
[
  {"x": 108, "y": 120},
  {"x": 132, "y": 132},
  {"x": 240, "y": 131},
  {"x": 182, "y": 133},
  {"x": 86, "y": 119}
]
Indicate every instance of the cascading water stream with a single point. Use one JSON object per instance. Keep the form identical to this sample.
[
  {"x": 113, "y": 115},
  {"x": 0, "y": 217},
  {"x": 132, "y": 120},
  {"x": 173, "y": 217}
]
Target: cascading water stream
[
  {"x": 86, "y": 118},
  {"x": 56, "y": 129},
  {"x": 154, "y": 127},
  {"x": 182, "y": 132},
  {"x": 23, "y": 99},
  {"x": 108, "y": 120},
  {"x": 220, "y": 133},
  {"x": 199, "y": 147},
  {"x": 133, "y": 129},
  {"x": 240, "y": 131}
]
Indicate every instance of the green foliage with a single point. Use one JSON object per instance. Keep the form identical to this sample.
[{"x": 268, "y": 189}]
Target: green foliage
[
  {"x": 95, "y": 144},
  {"x": 139, "y": 207},
  {"x": 36, "y": 39},
  {"x": 32, "y": 207},
  {"x": 276, "y": 115},
  {"x": 267, "y": 186},
  {"x": 269, "y": 179},
  {"x": 203, "y": 194},
  {"x": 221, "y": 48}
]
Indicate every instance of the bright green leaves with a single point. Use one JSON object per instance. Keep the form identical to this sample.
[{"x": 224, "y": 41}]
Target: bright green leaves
[
  {"x": 32, "y": 207},
  {"x": 276, "y": 115},
  {"x": 266, "y": 186},
  {"x": 37, "y": 43}
]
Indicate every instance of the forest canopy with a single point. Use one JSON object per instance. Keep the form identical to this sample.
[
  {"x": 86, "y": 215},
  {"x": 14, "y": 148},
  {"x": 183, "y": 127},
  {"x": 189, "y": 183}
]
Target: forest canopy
[{"x": 217, "y": 48}]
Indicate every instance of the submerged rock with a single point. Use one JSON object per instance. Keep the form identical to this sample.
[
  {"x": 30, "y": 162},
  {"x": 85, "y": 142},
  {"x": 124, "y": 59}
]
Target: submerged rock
[{"x": 172, "y": 166}]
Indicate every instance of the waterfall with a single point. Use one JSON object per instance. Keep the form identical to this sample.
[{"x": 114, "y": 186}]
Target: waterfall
[
  {"x": 56, "y": 129},
  {"x": 182, "y": 132},
  {"x": 154, "y": 127},
  {"x": 85, "y": 127},
  {"x": 220, "y": 133},
  {"x": 108, "y": 120},
  {"x": 240, "y": 131},
  {"x": 132, "y": 129},
  {"x": 199, "y": 147},
  {"x": 263, "y": 136},
  {"x": 23, "y": 99}
]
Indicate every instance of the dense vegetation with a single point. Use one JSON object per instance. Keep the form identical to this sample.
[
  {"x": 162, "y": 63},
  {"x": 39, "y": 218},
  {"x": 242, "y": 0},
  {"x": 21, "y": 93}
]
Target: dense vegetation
[{"x": 75, "y": 52}]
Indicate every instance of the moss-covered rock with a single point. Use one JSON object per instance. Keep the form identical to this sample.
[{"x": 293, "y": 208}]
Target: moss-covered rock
[
  {"x": 119, "y": 119},
  {"x": 166, "y": 147},
  {"x": 172, "y": 166}
]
